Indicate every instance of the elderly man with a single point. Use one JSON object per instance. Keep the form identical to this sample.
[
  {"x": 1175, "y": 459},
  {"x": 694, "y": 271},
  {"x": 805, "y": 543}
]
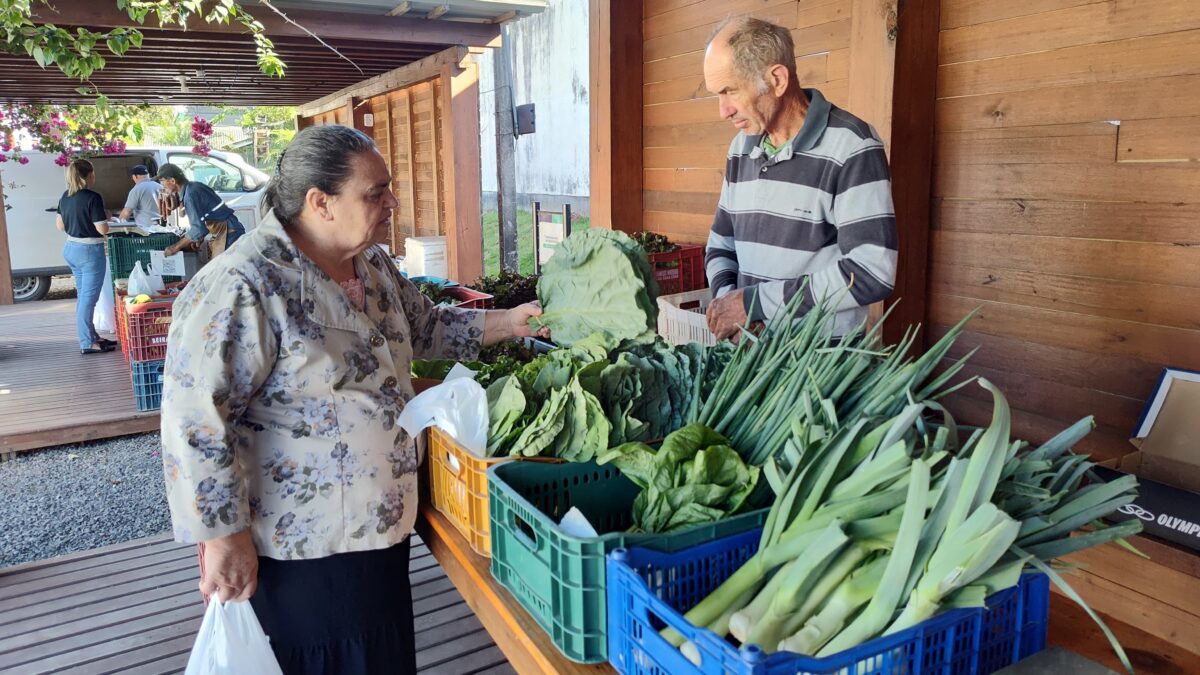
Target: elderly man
[
  {"x": 142, "y": 203},
  {"x": 806, "y": 194},
  {"x": 208, "y": 215}
]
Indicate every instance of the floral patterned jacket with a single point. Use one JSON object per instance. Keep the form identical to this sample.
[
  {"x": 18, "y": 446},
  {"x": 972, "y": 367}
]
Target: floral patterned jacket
[{"x": 280, "y": 399}]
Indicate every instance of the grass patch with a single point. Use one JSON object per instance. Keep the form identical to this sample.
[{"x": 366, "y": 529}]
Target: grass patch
[{"x": 491, "y": 240}]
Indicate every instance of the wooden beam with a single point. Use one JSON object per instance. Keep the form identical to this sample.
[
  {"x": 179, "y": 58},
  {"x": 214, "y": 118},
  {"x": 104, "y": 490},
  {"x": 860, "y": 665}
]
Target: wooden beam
[
  {"x": 461, "y": 162},
  {"x": 327, "y": 24},
  {"x": 893, "y": 73},
  {"x": 615, "y": 101},
  {"x": 6, "y": 283},
  {"x": 425, "y": 69},
  {"x": 412, "y": 161},
  {"x": 441, "y": 113}
]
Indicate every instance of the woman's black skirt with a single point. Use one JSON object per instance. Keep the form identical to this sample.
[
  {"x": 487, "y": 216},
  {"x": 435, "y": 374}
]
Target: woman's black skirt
[{"x": 349, "y": 614}]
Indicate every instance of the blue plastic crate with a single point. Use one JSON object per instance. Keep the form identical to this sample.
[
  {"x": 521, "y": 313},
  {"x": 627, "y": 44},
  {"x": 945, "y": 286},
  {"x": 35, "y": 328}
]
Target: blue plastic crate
[
  {"x": 440, "y": 281},
  {"x": 147, "y": 383},
  {"x": 648, "y": 590}
]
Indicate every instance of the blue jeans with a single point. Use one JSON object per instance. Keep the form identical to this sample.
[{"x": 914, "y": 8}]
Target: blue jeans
[{"x": 87, "y": 263}]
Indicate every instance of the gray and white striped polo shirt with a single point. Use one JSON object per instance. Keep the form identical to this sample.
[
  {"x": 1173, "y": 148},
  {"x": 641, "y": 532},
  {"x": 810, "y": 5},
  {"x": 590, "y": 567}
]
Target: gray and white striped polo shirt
[{"x": 820, "y": 208}]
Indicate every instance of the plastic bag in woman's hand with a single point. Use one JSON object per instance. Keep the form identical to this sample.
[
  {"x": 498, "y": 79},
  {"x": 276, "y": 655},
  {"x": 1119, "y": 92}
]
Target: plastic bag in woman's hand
[{"x": 231, "y": 641}]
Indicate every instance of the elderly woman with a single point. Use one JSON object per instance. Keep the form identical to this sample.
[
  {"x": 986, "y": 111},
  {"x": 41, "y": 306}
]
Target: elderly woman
[
  {"x": 81, "y": 216},
  {"x": 288, "y": 363}
]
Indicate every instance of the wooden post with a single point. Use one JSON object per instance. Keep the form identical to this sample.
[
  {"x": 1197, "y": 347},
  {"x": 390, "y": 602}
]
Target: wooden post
[
  {"x": 441, "y": 112},
  {"x": 6, "y": 283},
  {"x": 506, "y": 163},
  {"x": 411, "y": 122},
  {"x": 460, "y": 109},
  {"x": 615, "y": 95},
  {"x": 899, "y": 103}
]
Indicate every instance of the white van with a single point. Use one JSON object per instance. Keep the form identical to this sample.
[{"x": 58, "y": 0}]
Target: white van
[{"x": 32, "y": 191}]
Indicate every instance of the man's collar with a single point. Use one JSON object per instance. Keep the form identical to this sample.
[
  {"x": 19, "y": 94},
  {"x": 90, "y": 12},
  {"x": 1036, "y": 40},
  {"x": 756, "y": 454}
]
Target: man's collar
[{"x": 815, "y": 122}]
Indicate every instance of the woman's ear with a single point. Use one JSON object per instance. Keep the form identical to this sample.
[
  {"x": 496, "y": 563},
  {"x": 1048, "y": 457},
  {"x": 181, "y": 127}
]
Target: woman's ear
[{"x": 318, "y": 202}]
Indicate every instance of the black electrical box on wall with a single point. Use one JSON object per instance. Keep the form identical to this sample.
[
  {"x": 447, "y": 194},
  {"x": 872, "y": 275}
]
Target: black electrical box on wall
[{"x": 526, "y": 123}]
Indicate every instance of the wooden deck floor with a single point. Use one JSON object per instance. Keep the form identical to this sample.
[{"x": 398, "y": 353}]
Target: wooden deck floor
[
  {"x": 50, "y": 394},
  {"x": 134, "y": 608}
]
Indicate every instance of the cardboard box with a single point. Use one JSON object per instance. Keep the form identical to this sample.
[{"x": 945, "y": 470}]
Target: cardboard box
[{"x": 1167, "y": 462}]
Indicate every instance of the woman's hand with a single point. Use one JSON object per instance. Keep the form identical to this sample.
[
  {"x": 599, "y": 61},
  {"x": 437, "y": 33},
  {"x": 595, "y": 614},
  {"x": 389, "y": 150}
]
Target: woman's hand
[
  {"x": 505, "y": 324},
  {"x": 519, "y": 316},
  {"x": 230, "y": 567}
]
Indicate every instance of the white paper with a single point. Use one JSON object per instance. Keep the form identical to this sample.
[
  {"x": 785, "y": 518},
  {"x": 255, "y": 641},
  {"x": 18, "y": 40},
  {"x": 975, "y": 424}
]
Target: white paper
[
  {"x": 576, "y": 524},
  {"x": 172, "y": 266}
]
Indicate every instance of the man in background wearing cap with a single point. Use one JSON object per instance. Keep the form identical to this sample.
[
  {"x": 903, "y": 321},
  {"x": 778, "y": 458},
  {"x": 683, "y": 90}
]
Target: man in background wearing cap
[
  {"x": 142, "y": 203},
  {"x": 206, "y": 211}
]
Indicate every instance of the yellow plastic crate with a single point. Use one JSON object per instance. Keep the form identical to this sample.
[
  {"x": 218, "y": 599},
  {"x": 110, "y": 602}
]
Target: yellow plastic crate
[{"x": 459, "y": 487}]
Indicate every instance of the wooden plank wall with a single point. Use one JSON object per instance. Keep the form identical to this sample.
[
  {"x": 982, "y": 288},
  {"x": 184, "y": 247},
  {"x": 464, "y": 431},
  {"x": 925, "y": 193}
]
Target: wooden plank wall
[
  {"x": 406, "y": 133},
  {"x": 1067, "y": 204},
  {"x": 408, "y": 128},
  {"x": 684, "y": 141}
]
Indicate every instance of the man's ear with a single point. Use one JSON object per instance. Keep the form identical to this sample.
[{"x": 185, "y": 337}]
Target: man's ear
[
  {"x": 778, "y": 77},
  {"x": 318, "y": 202}
]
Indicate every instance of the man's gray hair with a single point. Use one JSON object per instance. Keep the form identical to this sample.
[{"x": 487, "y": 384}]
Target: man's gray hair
[{"x": 757, "y": 45}]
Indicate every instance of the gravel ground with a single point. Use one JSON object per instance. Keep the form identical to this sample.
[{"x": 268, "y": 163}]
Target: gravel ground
[
  {"x": 61, "y": 288},
  {"x": 77, "y": 497}
]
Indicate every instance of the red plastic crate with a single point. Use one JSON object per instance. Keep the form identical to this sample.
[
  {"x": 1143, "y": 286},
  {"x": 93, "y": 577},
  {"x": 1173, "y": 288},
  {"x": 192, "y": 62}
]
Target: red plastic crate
[
  {"x": 148, "y": 324},
  {"x": 468, "y": 298},
  {"x": 680, "y": 270}
]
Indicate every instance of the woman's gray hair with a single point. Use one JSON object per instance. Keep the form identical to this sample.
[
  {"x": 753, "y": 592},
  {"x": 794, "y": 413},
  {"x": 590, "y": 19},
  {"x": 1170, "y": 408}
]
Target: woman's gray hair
[
  {"x": 757, "y": 45},
  {"x": 318, "y": 157}
]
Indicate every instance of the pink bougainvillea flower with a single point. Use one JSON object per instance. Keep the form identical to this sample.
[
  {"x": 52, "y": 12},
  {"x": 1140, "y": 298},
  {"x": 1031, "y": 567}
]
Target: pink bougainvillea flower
[{"x": 23, "y": 160}]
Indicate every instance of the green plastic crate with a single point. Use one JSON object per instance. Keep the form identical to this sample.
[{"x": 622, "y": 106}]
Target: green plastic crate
[
  {"x": 560, "y": 579},
  {"x": 124, "y": 250}
]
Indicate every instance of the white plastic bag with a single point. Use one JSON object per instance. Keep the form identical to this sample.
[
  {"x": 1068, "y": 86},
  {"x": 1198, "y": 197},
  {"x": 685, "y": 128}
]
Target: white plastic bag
[
  {"x": 144, "y": 282},
  {"x": 458, "y": 406},
  {"x": 103, "y": 316},
  {"x": 231, "y": 642}
]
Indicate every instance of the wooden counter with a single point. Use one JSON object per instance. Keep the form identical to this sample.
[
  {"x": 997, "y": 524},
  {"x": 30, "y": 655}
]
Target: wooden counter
[{"x": 530, "y": 651}]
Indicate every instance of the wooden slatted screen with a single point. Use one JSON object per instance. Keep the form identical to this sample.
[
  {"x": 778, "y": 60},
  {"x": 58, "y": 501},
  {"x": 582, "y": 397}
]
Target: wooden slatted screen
[
  {"x": 684, "y": 140},
  {"x": 1067, "y": 204}
]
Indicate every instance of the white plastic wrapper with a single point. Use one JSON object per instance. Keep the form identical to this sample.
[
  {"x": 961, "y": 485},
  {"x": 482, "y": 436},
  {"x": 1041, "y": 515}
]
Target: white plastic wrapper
[
  {"x": 231, "y": 641},
  {"x": 458, "y": 406}
]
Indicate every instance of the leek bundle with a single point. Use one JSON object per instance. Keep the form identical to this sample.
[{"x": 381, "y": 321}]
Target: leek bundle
[{"x": 881, "y": 523}]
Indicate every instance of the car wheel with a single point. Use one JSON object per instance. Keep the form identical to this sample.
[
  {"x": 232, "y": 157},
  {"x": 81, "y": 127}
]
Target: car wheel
[{"x": 30, "y": 289}]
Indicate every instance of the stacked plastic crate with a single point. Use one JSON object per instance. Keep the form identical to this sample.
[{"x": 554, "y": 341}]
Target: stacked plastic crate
[{"x": 142, "y": 327}]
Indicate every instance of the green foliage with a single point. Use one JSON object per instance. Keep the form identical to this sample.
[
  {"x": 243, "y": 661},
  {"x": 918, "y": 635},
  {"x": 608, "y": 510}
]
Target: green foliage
[
  {"x": 598, "y": 281},
  {"x": 81, "y": 53},
  {"x": 508, "y": 289},
  {"x": 695, "y": 477}
]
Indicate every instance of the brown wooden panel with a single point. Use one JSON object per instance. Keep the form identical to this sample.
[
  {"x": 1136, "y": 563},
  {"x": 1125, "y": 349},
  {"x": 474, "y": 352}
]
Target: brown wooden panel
[
  {"x": 716, "y": 132},
  {"x": 966, "y": 147},
  {"x": 1086, "y": 24},
  {"x": 681, "y": 89},
  {"x": 687, "y": 157},
  {"x": 1163, "y": 223},
  {"x": 683, "y": 180},
  {"x": 1147, "y": 303},
  {"x": 837, "y": 65},
  {"x": 1133, "y": 59},
  {"x": 826, "y": 37},
  {"x": 1070, "y": 182},
  {"x": 1096, "y": 258},
  {"x": 1115, "y": 415},
  {"x": 1156, "y": 580},
  {"x": 701, "y": 14},
  {"x": 1145, "y": 99},
  {"x": 956, "y": 13},
  {"x": 680, "y": 227},
  {"x": 695, "y": 39},
  {"x": 655, "y": 7},
  {"x": 836, "y": 92},
  {"x": 1123, "y": 376},
  {"x": 1072, "y": 629},
  {"x": 701, "y": 203},
  {"x": 1115, "y": 598},
  {"x": 1174, "y": 139},
  {"x": 1101, "y": 336},
  {"x": 810, "y": 70},
  {"x": 673, "y": 68},
  {"x": 1031, "y": 427}
]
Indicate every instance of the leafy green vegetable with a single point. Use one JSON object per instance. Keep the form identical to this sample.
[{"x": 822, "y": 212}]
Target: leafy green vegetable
[
  {"x": 598, "y": 281},
  {"x": 509, "y": 289},
  {"x": 695, "y": 477}
]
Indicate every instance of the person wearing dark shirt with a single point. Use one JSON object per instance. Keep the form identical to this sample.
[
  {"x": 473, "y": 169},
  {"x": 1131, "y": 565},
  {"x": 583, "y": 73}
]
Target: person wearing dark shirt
[
  {"x": 207, "y": 213},
  {"x": 82, "y": 217}
]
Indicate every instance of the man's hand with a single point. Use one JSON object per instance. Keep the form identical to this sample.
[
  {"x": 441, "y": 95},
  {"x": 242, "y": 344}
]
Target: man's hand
[
  {"x": 726, "y": 315},
  {"x": 230, "y": 567}
]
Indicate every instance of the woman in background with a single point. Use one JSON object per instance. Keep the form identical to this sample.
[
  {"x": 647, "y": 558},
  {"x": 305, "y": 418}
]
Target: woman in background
[{"x": 82, "y": 217}]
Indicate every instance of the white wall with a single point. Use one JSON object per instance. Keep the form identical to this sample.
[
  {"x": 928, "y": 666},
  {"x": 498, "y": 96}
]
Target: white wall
[{"x": 550, "y": 69}]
